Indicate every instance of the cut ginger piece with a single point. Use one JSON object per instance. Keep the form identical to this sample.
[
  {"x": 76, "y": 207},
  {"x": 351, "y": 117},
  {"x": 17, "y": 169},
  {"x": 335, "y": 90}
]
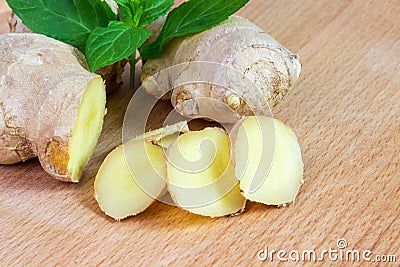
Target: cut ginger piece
[
  {"x": 131, "y": 177},
  {"x": 51, "y": 106},
  {"x": 201, "y": 178},
  {"x": 268, "y": 161},
  {"x": 165, "y": 136}
]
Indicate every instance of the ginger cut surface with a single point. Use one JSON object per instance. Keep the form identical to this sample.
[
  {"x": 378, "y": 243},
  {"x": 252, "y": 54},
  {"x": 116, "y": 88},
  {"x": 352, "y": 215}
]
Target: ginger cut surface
[
  {"x": 268, "y": 161},
  {"x": 201, "y": 178}
]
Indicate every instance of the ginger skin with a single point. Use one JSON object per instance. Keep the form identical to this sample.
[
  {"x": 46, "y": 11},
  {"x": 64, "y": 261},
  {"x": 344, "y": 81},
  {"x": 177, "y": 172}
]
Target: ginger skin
[{"x": 236, "y": 43}]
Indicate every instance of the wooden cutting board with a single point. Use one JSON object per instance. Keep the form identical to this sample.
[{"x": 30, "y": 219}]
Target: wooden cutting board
[{"x": 345, "y": 110}]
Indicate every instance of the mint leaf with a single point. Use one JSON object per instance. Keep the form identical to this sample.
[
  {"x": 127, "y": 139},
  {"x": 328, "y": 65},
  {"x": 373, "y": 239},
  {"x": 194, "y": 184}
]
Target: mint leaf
[
  {"x": 119, "y": 40},
  {"x": 153, "y": 9},
  {"x": 191, "y": 17},
  {"x": 69, "y": 21},
  {"x": 139, "y": 13},
  {"x": 130, "y": 11},
  {"x": 125, "y": 11}
]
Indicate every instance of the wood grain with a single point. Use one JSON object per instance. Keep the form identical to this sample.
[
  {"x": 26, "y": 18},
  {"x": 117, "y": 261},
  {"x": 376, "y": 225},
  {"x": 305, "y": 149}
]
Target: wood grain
[{"x": 345, "y": 111}]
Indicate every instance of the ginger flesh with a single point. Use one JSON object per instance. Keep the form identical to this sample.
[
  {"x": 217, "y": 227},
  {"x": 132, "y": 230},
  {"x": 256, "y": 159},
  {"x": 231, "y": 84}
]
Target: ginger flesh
[
  {"x": 130, "y": 178},
  {"x": 133, "y": 175},
  {"x": 204, "y": 171},
  {"x": 268, "y": 160},
  {"x": 200, "y": 175},
  {"x": 87, "y": 128}
]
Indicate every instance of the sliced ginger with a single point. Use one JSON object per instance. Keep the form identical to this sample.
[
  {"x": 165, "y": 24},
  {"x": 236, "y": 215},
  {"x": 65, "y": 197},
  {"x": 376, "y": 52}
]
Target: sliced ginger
[
  {"x": 201, "y": 177},
  {"x": 164, "y": 137},
  {"x": 268, "y": 161},
  {"x": 133, "y": 175},
  {"x": 130, "y": 178}
]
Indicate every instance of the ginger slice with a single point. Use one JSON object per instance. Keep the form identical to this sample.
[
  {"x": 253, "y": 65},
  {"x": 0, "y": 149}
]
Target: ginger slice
[
  {"x": 201, "y": 178},
  {"x": 131, "y": 177},
  {"x": 165, "y": 136},
  {"x": 268, "y": 161}
]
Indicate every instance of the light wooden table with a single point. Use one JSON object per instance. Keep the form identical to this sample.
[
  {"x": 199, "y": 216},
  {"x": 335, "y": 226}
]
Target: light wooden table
[{"x": 346, "y": 113}]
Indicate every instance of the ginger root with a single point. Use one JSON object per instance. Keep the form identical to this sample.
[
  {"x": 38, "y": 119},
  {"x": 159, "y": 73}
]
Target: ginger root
[
  {"x": 51, "y": 106},
  {"x": 236, "y": 44},
  {"x": 6, "y": 17}
]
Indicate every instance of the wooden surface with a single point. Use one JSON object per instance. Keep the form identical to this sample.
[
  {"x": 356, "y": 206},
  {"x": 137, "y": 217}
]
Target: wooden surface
[{"x": 345, "y": 111}]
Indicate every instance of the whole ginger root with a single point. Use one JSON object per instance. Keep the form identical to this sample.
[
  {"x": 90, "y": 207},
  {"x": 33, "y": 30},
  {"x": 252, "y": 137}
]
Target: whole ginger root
[
  {"x": 236, "y": 43},
  {"x": 51, "y": 106}
]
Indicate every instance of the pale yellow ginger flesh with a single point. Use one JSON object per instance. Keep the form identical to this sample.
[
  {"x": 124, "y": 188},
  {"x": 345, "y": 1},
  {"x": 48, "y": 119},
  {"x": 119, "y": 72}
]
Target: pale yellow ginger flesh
[
  {"x": 268, "y": 161},
  {"x": 131, "y": 177},
  {"x": 200, "y": 175},
  {"x": 87, "y": 128}
]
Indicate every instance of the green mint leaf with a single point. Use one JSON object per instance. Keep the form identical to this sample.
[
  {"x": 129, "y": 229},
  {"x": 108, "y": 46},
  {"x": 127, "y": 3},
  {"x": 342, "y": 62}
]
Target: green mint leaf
[
  {"x": 153, "y": 9},
  {"x": 125, "y": 11},
  {"x": 119, "y": 40},
  {"x": 130, "y": 11},
  {"x": 69, "y": 21},
  {"x": 191, "y": 17},
  {"x": 140, "y": 13}
]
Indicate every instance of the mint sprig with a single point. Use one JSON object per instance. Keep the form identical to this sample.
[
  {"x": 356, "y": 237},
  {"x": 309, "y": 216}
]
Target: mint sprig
[{"x": 105, "y": 37}]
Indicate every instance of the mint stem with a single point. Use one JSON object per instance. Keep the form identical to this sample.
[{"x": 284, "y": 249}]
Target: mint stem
[{"x": 132, "y": 62}]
